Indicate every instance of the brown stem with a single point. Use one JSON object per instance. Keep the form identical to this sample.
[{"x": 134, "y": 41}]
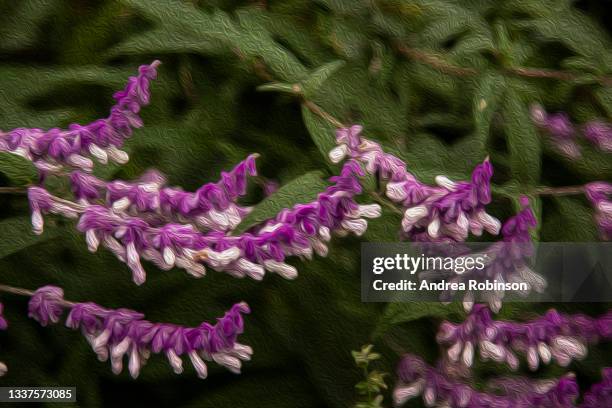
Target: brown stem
[
  {"x": 12, "y": 190},
  {"x": 560, "y": 191},
  {"x": 382, "y": 201},
  {"x": 316, "y": 109},
  {"x": 29, "y": 293},
  {"x": 435, "y": 61},
  {"x": 448, "y": 68}
]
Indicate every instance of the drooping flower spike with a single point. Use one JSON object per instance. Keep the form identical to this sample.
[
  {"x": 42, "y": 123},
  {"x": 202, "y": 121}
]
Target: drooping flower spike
[
  {"x": 118, "y": 333},
  {"x": 552, "y": 336},
  {"x": 599, "y": 193},
  {"x": 299, "y": 231},
  {"x": 211, "y": 207},
  {"x": 52, "y": 149},
  {"x": 438, "y": 389},
  {"x": 3, "y": 326},
  {"x": 507, "y": 261},
  {"x": 448, "y": 211}
]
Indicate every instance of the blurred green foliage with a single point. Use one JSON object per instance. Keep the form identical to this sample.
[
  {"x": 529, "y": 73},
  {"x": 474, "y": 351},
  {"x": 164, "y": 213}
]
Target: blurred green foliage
[{"x": 436, "y": 82}]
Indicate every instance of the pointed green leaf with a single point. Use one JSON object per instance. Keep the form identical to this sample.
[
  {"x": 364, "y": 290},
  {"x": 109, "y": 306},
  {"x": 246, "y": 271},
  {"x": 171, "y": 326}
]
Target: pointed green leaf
[
  {"x": 303, "y": 189},
  {"x": 323, "y": 134},
  {"x": 313, "y": 82},
  {"x": 18, "y": 170},
  {"x": 17, "y": 235},
  {"x": 522, "y": 139},
  {"x": 398, "y": 313},
  {"x": 279, "y": 87},
  {"x": 487, "y": 96}
]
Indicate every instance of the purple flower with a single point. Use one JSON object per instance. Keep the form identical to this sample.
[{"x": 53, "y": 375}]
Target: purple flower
[
  {"x": 552, "y": 336},
  {"x": 116, "y": 333},
  {"x": 300, "y": 231},
  {"x": 3, "y": 326},
  {"x": 46, "y": 305},
  {"x": 438, "y": 389},
  {"x": 600, "y": 394},
  {"x": 52, "y": 149},
  {"x": 560, "y": 129},
  {"x": 600, "y": 134},
  {"x": 448, "y": 211},
  {"x": 599, "y": 193},
  {"x": 3, "y": 322},
  {"x": 213, "y": 206}
]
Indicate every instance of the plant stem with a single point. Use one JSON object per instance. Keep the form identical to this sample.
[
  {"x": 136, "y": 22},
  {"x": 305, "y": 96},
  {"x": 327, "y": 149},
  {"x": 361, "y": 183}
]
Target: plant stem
[
  {"x": 446, "y": 67},
  {"x": 25, "y": 292},
  {"x": 12, "y": 190},
  {"x": 316, "y": 109},
  {"x": 559, "y": 191},
  {"x": 381, "y": 200}
]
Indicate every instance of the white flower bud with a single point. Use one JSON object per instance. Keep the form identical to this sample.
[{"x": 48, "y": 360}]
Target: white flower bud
[
  {"x": 369, "y": 211},
  {"x": 403, "y": 393},
  {"x": 338, "y": 153},
  {"x": 231, "y": 363},
  {"x": 285, "y": 270},
  {"x": 468, "y": 354},
  {"x": 198, "y": 364},
  {"x": 446, "y": 183},
  {"x": 98, "y": 153},
  {"x": 357, "y": 226},
  {"x": 175, "y": 361}
]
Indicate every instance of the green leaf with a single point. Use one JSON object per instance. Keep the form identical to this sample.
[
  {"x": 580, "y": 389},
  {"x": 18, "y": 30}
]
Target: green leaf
[
  {"x": 487, "y": 96},
  {"x": 312, "y": 83},
  {"x": 523, "y": 140},
  {"x": 569, "y": 219},
  {"x": 322, "y": 133},
  {"x": 248, "y": 36},
  {"x": 279, "y": 87},
  {"x": 397, "y": 313},
  {"x": 17, "y": 235},
  {"x": 303, "y": 189},
  {"x": 18, "y": 170}
]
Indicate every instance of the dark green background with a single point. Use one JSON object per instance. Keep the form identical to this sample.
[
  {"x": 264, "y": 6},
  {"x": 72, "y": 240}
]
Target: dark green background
[{"x": 60, "y": 62}]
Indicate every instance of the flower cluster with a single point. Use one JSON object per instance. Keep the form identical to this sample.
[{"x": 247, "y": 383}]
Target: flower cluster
[
  {"x": 599, "y": 194},
  {"x": 508, "y": 258},
  {"x": 438, "y": 389},
  {"x": 298, "y": 231},
  {"x": 447, "y": 211},
  {"x": 3, "y": 326},
  {"x": 552, "y": 336},
  {"x": 212, "y": 206},
  {"x": 116, "y": 333},
  {"x": 563, "y": 132},
  {"x": 52, "y": 149}
]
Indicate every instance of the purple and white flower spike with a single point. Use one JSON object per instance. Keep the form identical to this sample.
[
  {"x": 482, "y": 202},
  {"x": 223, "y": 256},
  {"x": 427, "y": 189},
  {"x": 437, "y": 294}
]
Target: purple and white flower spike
[
  {"x": 437, "y": 389},
  {"x": 449, "y": 210},
  {"x": 560, "y": 129},
  {"x": 599, "y": 194},
  {"x": 3, "y": 326},
  {"x": 300, "y": 231},
  {"x": 212, "y": 207},
  {"x": 507, "y": 261},
  {"x": 564, "y": 134},
  {"x": 600, "y": 394},
  {"x": 552, "y": 336},
  {"x": 117, "y": 333},
  {"x": 52, "y": 149}
]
